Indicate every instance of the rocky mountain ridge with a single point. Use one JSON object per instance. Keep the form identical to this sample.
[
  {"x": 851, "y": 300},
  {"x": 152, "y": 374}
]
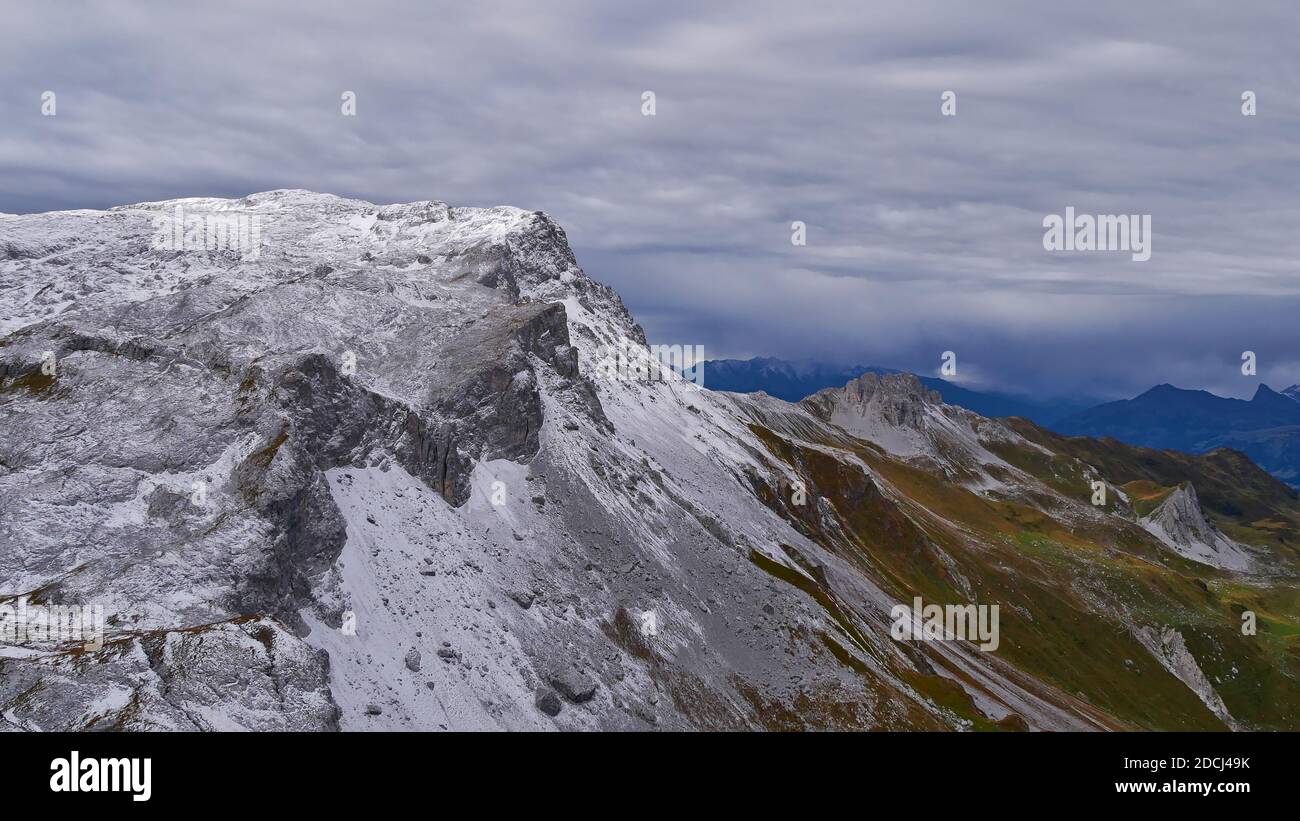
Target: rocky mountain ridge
[{"x": 372, "y": 478}]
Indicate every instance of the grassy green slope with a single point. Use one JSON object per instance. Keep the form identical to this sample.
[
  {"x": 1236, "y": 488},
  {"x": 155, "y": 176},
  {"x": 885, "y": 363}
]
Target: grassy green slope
[
  {"x": 1242, "y": 499},
  {"x": 1070, "y": 594}
]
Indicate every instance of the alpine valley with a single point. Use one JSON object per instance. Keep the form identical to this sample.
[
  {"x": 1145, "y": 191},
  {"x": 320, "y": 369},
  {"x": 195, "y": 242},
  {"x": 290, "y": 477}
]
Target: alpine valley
[{"x": 374, "y": 477}]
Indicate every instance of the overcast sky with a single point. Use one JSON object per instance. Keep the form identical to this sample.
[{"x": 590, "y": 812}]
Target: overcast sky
[{"x": 924, "y": 232}]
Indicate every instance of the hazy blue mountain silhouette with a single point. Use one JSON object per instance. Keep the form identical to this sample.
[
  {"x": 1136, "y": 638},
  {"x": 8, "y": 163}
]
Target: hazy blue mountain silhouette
[
  {"x": 1266, "y": 428},
  {"x": 793, "y": 380}
]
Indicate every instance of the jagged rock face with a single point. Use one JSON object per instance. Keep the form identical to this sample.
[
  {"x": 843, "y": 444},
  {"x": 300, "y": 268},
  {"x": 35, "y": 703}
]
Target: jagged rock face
[
  {"x": 243, "y": 674},
  {"x": 373, "y": 478},
  {"x": 228, "y": 373},
  {"x": 897, "y": 399},
  {"x": 1170, "y": 649},
  {"x": 1180, "y": 513},
  {"x": 898, "y": 413},
  {"x": 1180, "y": 522},
  {"x": 181, "y": 375}
]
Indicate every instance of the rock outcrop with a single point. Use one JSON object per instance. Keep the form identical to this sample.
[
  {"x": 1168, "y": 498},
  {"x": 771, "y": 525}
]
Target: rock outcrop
[{"x": 1179, "y": 522}]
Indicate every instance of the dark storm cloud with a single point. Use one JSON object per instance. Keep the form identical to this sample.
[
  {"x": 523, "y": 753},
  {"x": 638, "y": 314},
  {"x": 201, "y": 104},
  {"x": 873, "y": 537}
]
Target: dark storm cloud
[{"x": 924, "y": 232}]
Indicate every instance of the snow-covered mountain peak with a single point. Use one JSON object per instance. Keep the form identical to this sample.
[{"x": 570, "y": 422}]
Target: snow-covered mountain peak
[{"x": 364, "y": 468}]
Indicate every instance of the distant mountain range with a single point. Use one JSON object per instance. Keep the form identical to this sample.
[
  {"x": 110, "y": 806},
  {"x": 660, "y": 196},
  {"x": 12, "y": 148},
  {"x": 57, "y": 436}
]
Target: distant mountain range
[
  {"x": 795, "y": 380},
  {"x": 1266, "y": 428}
]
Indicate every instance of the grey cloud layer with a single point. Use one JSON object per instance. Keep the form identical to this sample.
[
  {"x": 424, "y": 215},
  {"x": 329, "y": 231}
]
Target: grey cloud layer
[{"x": 924, "y": 232}]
